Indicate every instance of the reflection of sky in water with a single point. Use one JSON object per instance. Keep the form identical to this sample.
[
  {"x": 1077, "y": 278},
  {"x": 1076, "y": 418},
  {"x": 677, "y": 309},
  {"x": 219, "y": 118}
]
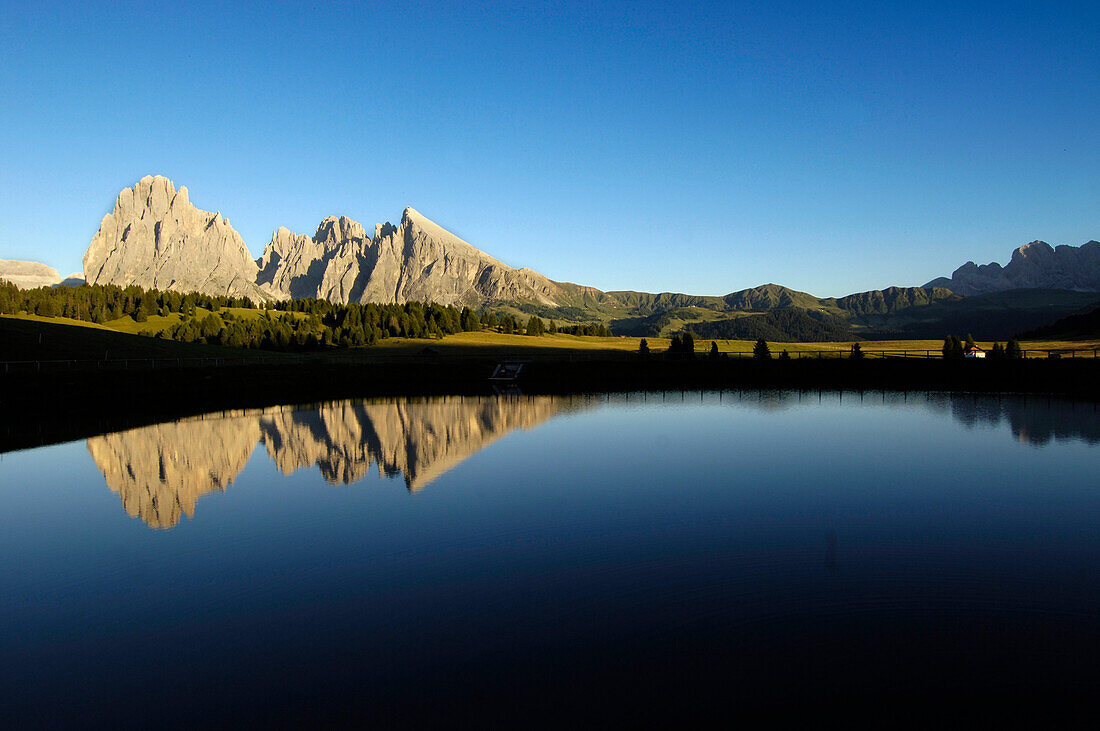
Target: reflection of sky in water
[{"x": 699, "y": 524}]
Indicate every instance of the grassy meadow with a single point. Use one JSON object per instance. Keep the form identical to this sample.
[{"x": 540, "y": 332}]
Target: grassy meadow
[{"x": 120, "y": 338}]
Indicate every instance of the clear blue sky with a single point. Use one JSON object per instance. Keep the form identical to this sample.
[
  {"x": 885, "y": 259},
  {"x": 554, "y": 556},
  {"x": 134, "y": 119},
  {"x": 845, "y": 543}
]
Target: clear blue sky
[{"x": 692, "y": 147}]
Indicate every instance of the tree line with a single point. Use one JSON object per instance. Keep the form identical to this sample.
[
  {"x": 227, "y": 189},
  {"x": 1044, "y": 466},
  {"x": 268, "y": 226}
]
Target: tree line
[
  {"x": 298, "y": 324},
  {"x": 954, "y": 348}
]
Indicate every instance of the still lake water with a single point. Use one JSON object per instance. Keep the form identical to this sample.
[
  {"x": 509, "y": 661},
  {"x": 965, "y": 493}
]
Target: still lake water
[{"x": 520, "y": 559}]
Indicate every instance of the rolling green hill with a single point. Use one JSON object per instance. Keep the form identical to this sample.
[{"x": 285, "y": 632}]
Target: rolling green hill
[
  {"x": 994, "y": 316},
  {"x": 787, "y": 325}
]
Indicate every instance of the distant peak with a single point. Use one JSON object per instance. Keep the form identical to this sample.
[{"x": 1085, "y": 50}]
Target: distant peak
[
  {"x": 339, "y": 228},
  {"x": 411, "y": 215}
]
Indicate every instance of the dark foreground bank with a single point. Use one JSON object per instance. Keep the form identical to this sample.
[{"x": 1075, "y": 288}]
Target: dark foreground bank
[{"x": 48, "y": 407}]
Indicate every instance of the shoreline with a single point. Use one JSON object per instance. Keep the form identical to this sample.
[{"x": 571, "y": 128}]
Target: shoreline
[{"x": 48, "y": 408}]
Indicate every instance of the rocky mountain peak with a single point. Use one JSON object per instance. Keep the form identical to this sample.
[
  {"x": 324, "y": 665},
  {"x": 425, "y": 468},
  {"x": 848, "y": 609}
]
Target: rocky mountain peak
[
  {"x": 417, "y": 260},
  {"x": 155, "y": 238},
  {"x": 333, "y": 229},
  {"x": 1033, "y": 265}
]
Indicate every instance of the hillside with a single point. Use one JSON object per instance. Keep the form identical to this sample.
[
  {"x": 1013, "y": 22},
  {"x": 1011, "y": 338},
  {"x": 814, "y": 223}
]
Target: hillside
[
  {"x": 60, "y": 338},
  {"x": 1081, "y": 325},
  {"x": 993, "y": 316},
  {"x": 788, "y": 325}
]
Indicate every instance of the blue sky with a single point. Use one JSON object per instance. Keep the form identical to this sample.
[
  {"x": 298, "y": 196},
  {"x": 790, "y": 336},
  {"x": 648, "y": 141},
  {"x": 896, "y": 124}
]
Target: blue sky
[{"x": 692, "y": 147}]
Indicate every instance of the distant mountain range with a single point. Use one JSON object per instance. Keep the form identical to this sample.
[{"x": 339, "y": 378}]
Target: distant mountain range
[
  {"x": 156, "y": 238},
  {"x": 1037, "y": 265}
]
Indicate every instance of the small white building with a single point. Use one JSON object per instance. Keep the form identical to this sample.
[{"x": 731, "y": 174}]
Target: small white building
[{"x": 973, "y": 351}]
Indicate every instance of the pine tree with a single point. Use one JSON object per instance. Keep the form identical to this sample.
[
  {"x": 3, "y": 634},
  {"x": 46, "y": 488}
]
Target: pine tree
[
  {"x": 1013, "y": 349},
  {"x": 760, "y": 351},
  {"x": 643, "y": 346}
]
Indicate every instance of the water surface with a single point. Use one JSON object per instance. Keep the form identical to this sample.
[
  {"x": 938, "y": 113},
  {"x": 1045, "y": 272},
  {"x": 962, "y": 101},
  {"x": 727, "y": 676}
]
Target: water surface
[{"x": 518, "y": 558}]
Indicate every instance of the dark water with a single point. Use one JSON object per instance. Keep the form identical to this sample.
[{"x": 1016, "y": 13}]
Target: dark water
[{"x": 525, "y": 560}]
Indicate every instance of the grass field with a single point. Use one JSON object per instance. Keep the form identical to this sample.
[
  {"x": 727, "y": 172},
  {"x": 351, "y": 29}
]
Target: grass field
[
  {"x": 57, "y": 338},
  {"x": 91, "y": 340}
]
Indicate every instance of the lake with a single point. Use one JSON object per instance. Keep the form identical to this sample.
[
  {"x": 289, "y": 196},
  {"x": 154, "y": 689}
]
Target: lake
[{"x": 522, "y": 560}]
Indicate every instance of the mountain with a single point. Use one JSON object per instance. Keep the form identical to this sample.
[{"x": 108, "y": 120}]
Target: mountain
[
  {"x": 417, "y": 260},
  {"x": 156, "y": 239},
  {"x": 28, "y": 274},
  {"x": 1037, "y": 265},
  {"x": 893, "y": 299}
]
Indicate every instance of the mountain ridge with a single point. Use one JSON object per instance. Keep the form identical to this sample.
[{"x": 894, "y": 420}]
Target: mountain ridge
[
  {"x": 155, "y": 238},
  {"x": 1036, "y": 265}
]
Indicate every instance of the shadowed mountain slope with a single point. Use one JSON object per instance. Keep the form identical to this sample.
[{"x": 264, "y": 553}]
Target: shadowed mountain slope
[{"x": 1037, "y": 265}]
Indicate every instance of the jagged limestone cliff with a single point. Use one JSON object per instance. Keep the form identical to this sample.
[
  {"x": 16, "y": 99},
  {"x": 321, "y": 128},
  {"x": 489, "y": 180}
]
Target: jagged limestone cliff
[
  {"x": 155, "y": 238},
  {"x": 416, "y": 260},
  {"x": 1036, "y": 265}
]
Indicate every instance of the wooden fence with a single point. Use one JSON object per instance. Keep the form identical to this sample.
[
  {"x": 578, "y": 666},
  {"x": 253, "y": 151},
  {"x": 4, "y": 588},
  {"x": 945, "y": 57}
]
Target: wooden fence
[{"x": 42, "y": 366}]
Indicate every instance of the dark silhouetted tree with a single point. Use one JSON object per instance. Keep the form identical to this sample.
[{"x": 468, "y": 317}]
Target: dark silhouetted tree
[
  {"x": 952, "y": 347},
  {"x": 760, "y": 351}
]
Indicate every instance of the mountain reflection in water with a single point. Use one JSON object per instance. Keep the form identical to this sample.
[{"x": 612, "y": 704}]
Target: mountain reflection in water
[{"x": 160, "y": 471}]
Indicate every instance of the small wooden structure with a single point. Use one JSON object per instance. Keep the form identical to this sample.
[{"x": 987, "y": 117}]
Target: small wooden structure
[
  {"x": 973, "y": 351},
  {"x": 507, "y": 371}
]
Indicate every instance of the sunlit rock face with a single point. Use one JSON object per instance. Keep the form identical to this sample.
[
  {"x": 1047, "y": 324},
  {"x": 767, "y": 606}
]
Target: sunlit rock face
[
  {"x": 28, "y": 274},
  {"x": 161, "y": 471},
  {"x": 1034, "y": 265},
  {"x": 155, "y": 239},
  {"x": 416, "y": 260}
]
